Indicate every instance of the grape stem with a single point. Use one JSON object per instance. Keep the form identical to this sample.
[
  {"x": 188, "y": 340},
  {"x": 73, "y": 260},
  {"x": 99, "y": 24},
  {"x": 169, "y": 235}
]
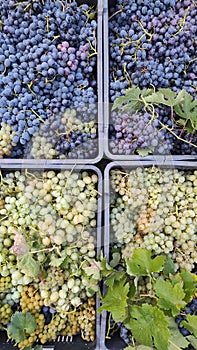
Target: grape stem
[
  {"x": 145, "y": 31},
  {"x": 46, "y": 249},
  {"x": 182, "y": 22},
  {"x": 39, "y": 118},
  {"x": 5, "y": 217},
  {"x": 178, "y": 137},
  {"x": 115, "y": 13}
]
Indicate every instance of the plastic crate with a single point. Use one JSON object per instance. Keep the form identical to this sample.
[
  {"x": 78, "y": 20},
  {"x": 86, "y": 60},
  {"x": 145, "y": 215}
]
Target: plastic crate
[
  {"x": 75, "y": 342},
  {"x": 98, "y": 116},
  {"x": 107, "y": 5},
  {"x": 115, "y": 342}
]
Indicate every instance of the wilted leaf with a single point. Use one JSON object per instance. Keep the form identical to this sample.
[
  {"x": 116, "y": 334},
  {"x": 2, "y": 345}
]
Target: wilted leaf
[{"x": 28, "y": 265}]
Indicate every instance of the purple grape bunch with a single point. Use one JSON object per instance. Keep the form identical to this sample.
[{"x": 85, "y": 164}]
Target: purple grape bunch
[
  {"x": 47, "y": 64},
  {"x": 131, "y": 133},
  {"x": 153, "y": 44}
]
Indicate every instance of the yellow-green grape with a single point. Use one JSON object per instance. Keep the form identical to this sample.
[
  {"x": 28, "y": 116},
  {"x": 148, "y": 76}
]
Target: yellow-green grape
[
  {"x": 5, "y": 314},
  {"x": 6, "y": 139},
  {"x": 156, "y": 209},
  {"x": 31, "y": 300}
]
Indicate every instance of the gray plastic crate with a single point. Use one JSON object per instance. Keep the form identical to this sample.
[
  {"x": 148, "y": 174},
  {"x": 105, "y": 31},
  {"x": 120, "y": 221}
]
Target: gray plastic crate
[
  {"x": 99, "y": 115},
  {"x": 62, "y": 342},
  {"x": 107, "y": 4},
  {"x": 111, "y": 344}
]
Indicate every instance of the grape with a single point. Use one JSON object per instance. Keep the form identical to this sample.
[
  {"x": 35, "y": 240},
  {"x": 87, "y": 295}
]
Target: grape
[
  {"x": 155, "y": 209},
  {"x": 152, "y": 46},
  {"x": 129, "y": 133},
  {"x": 66, "y": 137},
  {"x": 49, "y": 217},
  {"x": 48, "y": 60}
]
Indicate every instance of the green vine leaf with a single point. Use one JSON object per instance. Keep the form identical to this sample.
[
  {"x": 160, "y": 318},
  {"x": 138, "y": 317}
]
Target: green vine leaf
[
  {"x": 189, "y": 284},
  {"x": 145, "y": 151},
  {"x": 115, "y": 259},
  {"x": 93, "y": 270},
  {"x": 171, "y": 297},
  {"x": 143, "y": 264},
  {"x": 56, "y": 262},
  {"x": 187, "y": 110},
  {"x": 113, "y": 277},
  {"x": 115, "y": 300},
  {"x": 131, "y": 99},
  {"x": 169, "y": 266},
  {"x": 149, "y": 326},
  {"x": 139, "y": 347},
  {"x": 191, "y": 324},
  {"x": 193, "y": 341},
  {"x": 177, "y": 340},
  {"x": 28, "y": 265},
  {"x": 21, "y": 325},
  {"x": 166, "y": 97}
]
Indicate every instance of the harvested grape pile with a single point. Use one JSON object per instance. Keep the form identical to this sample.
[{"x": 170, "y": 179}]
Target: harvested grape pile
[
  {"x": 48, "y": 56},
  {"x": 47, "y": 236},
  {"x": 152, "y": 45},
  {"x": 156, "y": 209}
]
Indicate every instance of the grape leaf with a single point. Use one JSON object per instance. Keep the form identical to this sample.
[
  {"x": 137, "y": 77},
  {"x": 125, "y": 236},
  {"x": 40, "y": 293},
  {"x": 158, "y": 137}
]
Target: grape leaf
[
  {"x": 145, "y": 151},
  {"x": 131, "y": 100},
  {"x": 190, "y": 324},
  {"x": 20, "y": 325},
  {"x": 113, "y": 277},
  {"x": 93, "y": 270},
  {"x": 38, "y": 347},
  {"x": 55, "y": 262},
  {"x": 189, "y": 284},
  {"x": 29, "y": 265},
  {"x": 115, "y": 300},
  {"x": 116, "y": 259},
  {"x": 66, "y": 262},
  {"x": 177, "y": 340},
  {"x": 139, "y": 347},
  {"x": 105, "y": 267},
  {"x": 142, "y": 264},
  {"x": 193, "y": 341},
  {"x": 169, "y": 266},
  {"x": 166, "y": 97},
  {"x": 187, "y": 109},
  {"x": 149, "y": 326},
  {"x": 170, "y": 297}
]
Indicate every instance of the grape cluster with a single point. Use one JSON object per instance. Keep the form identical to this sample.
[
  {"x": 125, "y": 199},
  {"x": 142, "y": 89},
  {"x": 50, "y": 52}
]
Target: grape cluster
[
  {"x": 50, "y": 217},
  {"x": 155, "y": 209},
  {"x": 6, "y": 139},
  {"x": 66, "y": 136},
  {"x": 152, "y": 44},
  {"x": 140, "y": 131},
  {"x": 48, "y": 62}
]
